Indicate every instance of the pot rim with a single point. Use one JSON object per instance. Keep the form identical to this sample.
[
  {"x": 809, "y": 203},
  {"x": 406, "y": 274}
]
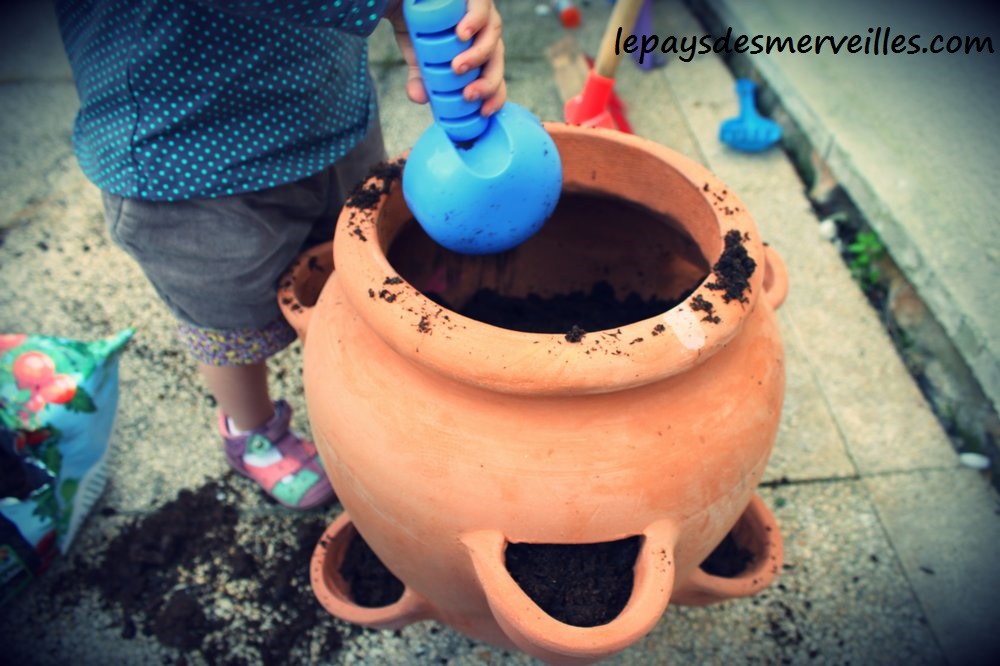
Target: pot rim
[{"x": 517, "y": 362}]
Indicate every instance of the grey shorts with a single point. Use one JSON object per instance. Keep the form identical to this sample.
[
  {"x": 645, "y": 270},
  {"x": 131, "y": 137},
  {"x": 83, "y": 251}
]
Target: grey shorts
[{"x": 216, "y": 262}]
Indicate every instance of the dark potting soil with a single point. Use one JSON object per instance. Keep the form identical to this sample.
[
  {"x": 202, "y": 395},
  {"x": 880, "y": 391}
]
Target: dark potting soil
[
  {"x": 372, "y": 584},
  {"x": 589, "y": 584},
  {"x": 573, "y": 314},
  {"x": 367, "y": 195},
  {"x": 583, "y": 585},
  {"x": 728, "y": 560},
  {"x": 146, "y": 569},
  {"x": 733, "y": 269}
]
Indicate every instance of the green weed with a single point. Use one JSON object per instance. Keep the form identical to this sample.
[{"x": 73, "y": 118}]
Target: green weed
[{"x": 863, "y": 255}]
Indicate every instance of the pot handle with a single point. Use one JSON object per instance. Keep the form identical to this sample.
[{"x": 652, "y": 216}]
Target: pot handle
[
  {"x": 333, "y": 592},
  {"x": 775, "y": 278},
  {"x": 757, "y": 532},
  {"x": 300, "y": 286},
  {"x": 541, "y": 635}
]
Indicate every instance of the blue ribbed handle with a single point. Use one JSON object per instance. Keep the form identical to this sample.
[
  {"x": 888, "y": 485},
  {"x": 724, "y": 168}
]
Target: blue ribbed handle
[
  {"x": 746, "y": 91},
  {"x": 432, "y": 30}
]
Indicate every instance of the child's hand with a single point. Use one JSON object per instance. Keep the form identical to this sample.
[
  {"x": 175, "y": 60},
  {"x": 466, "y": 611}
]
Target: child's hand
[{"x": 482, "y": 21}]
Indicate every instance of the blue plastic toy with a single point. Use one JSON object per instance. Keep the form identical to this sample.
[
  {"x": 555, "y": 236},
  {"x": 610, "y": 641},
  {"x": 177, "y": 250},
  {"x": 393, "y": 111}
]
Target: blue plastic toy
[
  {"x": 750, "y": 131},
  {"x": 476, "y": 185}
]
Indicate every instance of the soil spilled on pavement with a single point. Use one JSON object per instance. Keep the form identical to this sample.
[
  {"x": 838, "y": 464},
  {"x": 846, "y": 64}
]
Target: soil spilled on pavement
[{"x": 200, "y": 577}]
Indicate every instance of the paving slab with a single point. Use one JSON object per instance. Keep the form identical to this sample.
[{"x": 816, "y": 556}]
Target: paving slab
[
  {"x": 36, "y": 121},
  {"x": 918, "y": 157},
  {"x": 30, "y": 46},
  {"x": 944, "y": 524},
  {"x": 809, "y": 445},
  {"x": 37, "y": 101},
  {"x": 841, "y": 597},
  {"x": 885, "y": 423}
]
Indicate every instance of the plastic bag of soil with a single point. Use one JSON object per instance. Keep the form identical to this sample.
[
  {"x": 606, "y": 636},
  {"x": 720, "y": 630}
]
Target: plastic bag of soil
[{"x": 58, "y": 399}]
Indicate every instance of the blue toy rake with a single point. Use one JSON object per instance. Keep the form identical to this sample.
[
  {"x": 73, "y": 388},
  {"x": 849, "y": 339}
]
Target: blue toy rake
[{"x": 750, "y": 131}]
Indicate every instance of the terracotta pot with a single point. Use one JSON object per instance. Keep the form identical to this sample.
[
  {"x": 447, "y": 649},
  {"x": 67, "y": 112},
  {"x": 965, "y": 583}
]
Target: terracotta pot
[{"x": 447, "y": 438}]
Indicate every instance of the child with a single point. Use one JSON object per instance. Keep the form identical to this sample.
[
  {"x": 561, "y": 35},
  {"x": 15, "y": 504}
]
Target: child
[{"x": 225, "y": 136}]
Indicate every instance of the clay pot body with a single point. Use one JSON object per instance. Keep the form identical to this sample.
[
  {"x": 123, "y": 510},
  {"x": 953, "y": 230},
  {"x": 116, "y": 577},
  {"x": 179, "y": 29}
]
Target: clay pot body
[{"x": 447, "y": 438}]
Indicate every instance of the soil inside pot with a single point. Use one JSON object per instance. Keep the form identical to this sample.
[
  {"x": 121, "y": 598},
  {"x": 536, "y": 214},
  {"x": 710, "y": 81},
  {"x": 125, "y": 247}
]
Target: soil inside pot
[
  {"x": 372, "y": 584},
  {"x": 583, "y": 585},
  {"x": 573, "y": 314},
  {"x": 728, "y": 560},
  {"x": 597, "y": 264}
]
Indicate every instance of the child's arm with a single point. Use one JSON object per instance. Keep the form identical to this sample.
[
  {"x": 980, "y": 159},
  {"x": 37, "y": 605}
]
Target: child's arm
[{"x": 481, "y": 23}]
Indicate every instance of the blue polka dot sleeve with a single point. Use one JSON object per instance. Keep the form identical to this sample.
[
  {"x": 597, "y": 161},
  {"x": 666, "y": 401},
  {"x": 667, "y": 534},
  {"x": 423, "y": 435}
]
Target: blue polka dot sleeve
[{"x": 183, "y": 100}]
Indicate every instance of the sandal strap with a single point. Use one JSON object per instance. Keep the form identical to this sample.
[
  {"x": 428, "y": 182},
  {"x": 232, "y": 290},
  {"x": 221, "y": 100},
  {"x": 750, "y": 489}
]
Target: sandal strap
[{"x": 284, "y": 464}]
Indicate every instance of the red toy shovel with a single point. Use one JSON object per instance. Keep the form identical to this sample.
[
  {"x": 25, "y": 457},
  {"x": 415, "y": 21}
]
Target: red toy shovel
[{"x": 597, "y": 105}]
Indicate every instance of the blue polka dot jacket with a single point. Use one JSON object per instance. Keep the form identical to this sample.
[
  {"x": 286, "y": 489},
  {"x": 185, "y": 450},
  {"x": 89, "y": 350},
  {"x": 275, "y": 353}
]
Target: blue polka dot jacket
[{"x": 182, "y": 99}]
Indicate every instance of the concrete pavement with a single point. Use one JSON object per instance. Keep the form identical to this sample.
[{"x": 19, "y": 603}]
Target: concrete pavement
[{"x": 910, "y": 138}]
